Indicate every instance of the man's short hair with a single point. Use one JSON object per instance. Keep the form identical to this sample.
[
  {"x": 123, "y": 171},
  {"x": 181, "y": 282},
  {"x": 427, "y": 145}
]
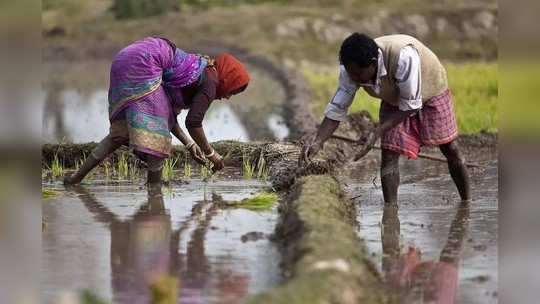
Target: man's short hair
[{"x": 360, "y": 49}]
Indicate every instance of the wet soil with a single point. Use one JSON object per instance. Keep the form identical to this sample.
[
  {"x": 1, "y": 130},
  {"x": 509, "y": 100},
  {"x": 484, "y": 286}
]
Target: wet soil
[
  {"x": 115, "y": 239},
  {"x": 459, "y": 248}
]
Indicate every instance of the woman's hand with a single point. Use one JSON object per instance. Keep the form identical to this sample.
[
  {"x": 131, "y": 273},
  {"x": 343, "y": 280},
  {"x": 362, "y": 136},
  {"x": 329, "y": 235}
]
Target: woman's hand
[
  {"x": 196, "y": 153},
  {"x": 217, "y": 160}
]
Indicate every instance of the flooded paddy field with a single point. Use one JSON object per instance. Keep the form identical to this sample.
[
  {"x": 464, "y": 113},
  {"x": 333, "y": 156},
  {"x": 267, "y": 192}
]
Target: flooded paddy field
[
  {"x": 115, "y": 238},
  {"x": 431, "y": 245}
]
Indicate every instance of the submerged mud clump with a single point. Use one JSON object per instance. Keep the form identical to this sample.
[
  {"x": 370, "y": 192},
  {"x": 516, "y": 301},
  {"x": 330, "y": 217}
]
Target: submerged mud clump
[{"x": 320, "y": 246}]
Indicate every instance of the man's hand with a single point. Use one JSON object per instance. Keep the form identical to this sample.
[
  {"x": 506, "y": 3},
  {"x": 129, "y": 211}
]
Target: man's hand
[
  {"x": 196, "y": 153},
  {"x": 309, "y": 150},
  {"x": 217, "y": 160},
  {"x": 367, "y": 141}
]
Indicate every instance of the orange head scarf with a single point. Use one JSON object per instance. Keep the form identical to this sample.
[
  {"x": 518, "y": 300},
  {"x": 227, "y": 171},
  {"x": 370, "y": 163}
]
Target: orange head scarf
[{"x": 232, "y": 75}]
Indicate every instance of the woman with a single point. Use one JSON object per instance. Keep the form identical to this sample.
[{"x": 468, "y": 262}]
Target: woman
[{"x": 151, "y": 82}]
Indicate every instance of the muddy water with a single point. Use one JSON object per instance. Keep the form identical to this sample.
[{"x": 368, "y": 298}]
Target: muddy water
[
  {"x": 431, "y": 246},
  {"x": 114, "y": 239},
  {"x": 74, "y": 105}
]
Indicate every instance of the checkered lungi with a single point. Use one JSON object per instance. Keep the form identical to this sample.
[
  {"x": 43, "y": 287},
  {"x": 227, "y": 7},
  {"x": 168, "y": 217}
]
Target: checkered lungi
[{"x": 435, "y": 124}]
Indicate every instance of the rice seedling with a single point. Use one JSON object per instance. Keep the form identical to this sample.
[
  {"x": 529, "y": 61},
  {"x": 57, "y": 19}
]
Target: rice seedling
[
  {"x": 262, "y": 168},
  {"x": 261, "y": 201},
  {"x": 47, "y": 193},
  {"x": 248, "y": 170},
  {"x": 57, "y": 168},
  {"x": 122, "y": 169},
  {"x": 134, "y": 170},
  {"x": 205, "y": 172},
  {"x": 107, "y": 169},
  {"x": 167, "y": 172},
  {"x": 187, "y": 168}
]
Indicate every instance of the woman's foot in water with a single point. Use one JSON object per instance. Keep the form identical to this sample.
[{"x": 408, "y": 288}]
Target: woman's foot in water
[
  {"x": 154, "y": 182},
  {"x": 90, "y": 163}
]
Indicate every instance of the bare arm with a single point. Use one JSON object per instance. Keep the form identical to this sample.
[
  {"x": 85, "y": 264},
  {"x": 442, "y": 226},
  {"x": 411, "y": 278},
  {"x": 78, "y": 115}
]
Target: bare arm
[
  {"x": 179, "y": 133},
  {"x": 326, "y": 129},
  {"x": 197, "y": 133}
]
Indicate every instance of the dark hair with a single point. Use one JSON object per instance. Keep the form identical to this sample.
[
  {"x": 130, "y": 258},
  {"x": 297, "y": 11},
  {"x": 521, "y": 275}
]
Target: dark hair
[{"x": 359, "y": 49}]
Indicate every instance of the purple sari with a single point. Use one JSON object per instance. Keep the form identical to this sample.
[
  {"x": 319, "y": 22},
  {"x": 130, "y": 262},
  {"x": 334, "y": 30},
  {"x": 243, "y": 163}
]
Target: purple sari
[{"x": 146, "y": 78}]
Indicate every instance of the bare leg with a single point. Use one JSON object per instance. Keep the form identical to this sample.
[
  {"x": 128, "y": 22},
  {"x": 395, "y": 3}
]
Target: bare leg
[
  {"x": 155, "y": 164},
  {"x": 104, "y": 148},
  {"x": 389, "y": 175},
  {"x": 458, "y": 169}
]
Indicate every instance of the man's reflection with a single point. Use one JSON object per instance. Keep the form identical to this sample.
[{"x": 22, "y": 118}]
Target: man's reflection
[
  {"x": 413, "y": 280},
  {"x": 144, "y": 248}
]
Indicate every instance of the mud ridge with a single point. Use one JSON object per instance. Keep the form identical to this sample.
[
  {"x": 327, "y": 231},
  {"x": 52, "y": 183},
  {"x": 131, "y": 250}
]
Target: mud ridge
[{"x": 320, "y": 247}]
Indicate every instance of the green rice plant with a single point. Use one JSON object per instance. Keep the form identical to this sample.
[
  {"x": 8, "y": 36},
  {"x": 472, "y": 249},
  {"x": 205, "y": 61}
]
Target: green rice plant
[
  {"x": 47, "y": 193},
  {"x": 187, "y": 168},
  {"x": 262, "y": 168},
  {"x": 167, "y": 173},
  {"x": 133, "y": 170},
  {"x": 205, "y": 172},
  {"x": 57, "y": 168},
  {"x": 261, "y": 201},
  {"x": 122, "y": 169},
  {"x": 248, "y": 170},
  {"x": 107, "y": 169}
]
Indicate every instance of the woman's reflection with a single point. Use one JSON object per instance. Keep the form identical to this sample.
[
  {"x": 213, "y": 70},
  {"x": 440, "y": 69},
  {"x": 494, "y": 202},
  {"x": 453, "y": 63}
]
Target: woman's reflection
[
  {"x": 144, "y": 248},
  {"x": 413, "y": 280}
]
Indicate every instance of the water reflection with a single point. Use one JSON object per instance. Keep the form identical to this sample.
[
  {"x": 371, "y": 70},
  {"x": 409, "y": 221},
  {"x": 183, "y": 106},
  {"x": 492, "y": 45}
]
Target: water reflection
[
  {"x": 412, "y": 280},
  {"x": 146, "y": 246}
]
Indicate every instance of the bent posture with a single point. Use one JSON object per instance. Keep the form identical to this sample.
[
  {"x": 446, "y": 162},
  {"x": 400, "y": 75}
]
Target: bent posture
[
  {"x": 416, "y": 104},
  {"x": 151, "y": 82}
]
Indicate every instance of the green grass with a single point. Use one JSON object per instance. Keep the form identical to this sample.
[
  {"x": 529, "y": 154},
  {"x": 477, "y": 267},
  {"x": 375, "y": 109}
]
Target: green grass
[
  {"x": 474, "y": 87},
  {"x": 259, "y": 202}
]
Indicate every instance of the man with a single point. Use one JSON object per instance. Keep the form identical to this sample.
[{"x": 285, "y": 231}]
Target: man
[{"x": 416, "y": 107}]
